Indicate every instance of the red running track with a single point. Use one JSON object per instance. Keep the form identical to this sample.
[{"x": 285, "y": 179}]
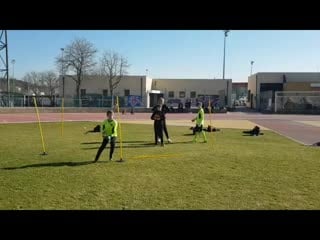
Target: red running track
[{"x": 283, "y": 124}]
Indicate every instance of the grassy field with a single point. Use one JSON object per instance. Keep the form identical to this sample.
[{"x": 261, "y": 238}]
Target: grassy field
[{"x": 231, "y": 171}]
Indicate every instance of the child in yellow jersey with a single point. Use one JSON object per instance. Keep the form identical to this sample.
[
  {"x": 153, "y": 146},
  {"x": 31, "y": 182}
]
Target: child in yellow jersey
[
  {"x": 199, "y": 124},
  {"x": 109, "y": 129}
]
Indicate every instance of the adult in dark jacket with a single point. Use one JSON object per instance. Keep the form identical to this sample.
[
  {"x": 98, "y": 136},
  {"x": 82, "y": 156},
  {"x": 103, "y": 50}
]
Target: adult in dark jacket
[
  {"x": 164, "y": 109},
  {"x": 158, "y": 116}
]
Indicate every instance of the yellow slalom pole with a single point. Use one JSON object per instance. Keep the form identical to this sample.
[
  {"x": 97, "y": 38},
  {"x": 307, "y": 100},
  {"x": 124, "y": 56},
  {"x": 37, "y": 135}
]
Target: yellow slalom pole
[
  {"x": 120, "y": 132},
  {"x": 35, "y": 104},
  {"x": 62, "y": 115}
]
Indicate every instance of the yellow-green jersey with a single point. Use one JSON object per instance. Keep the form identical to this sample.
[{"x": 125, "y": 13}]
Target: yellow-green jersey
[
  {"x": 109, "y": 128},
  {"x": 200, "y": 117}
]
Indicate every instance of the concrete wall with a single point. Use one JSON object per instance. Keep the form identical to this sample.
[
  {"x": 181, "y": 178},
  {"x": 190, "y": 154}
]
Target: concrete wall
[
  {"x": 298, "y": 77},
  {"x": 293, "y": 86},
  {"x": 200, "y": 86},
  {"x": 95, "y": 85}
]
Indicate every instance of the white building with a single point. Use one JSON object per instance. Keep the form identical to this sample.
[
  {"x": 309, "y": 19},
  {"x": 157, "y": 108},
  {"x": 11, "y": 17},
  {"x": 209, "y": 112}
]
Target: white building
[{"x": 151, "y": 89}]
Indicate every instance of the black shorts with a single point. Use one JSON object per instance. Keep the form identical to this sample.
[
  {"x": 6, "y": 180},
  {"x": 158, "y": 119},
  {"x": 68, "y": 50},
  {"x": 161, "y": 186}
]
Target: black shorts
[{"x": 111, "y": 140}]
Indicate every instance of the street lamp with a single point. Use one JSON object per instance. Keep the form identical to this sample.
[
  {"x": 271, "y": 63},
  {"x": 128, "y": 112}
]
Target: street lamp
[
  {"x": 12, "y": 89},
  {"x": 62, "y": 69},
  {"x": 224, "y": 60},
  {"x": 224, "y": 51},
  {"x": 252, "y": 62},
  {"x": 13, "y": 61},
  {"x": 62, "y": 100}
]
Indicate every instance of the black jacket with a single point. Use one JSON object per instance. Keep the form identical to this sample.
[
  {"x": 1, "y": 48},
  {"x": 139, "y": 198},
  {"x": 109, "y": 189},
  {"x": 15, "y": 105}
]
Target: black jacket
[
  {"x": 157, "y": 115},
  {"x": 164, "y": 110}
]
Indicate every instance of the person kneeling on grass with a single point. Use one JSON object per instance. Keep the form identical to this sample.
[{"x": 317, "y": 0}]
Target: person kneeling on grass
[
  {"x": 109, "y": 130},
  {"x": 199, "y": 124},
  {"x": 96, "y": 129}
]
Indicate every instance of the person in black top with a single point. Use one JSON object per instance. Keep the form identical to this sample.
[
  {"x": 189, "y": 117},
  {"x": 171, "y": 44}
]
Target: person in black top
[
  {"x": 164, "y": 109},
  {"x": 158, "y": 117},
  {"x": 254, "y": 132}
]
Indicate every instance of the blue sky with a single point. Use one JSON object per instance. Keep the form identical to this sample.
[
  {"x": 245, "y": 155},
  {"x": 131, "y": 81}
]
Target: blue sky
[{"x": 176, "y": 53}]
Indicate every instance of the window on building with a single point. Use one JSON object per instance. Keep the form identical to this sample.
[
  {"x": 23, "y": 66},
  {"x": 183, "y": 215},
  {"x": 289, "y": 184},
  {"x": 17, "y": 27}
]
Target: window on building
[
  {"x": 82, "y": 92},
  {"x": 182, "y": 94},
  {"x": 171, "y": 94},
  {"x": 193, "y": 94},
  {"x": 105, "y": 92},
  {"x": 127, "y": 92}
]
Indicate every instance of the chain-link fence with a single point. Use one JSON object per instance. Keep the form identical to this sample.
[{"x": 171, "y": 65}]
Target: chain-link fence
[
  {"x": 95, "y": 101},
  {"x": 297, "y": 102},
  {"x": 127, "y": 103},
  {"x": 11, "y": 100}
]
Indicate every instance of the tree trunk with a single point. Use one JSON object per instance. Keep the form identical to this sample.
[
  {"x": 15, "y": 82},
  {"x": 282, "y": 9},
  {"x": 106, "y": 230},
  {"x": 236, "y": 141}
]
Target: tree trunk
[
  {"x": 51, "y": 100},
  {"x": 78, "y": 94},
  {"x": 80, "y": 102},
  {"x": 112, "y": 100}
]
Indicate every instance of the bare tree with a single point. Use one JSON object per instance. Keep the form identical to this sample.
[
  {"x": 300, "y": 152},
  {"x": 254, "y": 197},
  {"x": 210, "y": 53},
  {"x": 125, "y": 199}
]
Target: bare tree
[
  {"x": 79, "y": 60},
  {"x": 51, "y": 83},
  {"x": 113, "y": 67},
  {"x": 34, "y": 82}
]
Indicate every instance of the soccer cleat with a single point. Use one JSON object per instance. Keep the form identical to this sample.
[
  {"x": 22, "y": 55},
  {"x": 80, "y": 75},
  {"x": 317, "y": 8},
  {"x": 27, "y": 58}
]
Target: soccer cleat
[
  {"x": 110, "y": 159},
  {"x": 169, "y": 140}
]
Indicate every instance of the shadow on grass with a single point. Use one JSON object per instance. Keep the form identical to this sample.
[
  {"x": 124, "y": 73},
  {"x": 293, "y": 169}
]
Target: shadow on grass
[
  {"x": 249, "y": 135},
  {"x": 146, "y": 142},
  {"x": 91, "y": 143},
  {"x": 187, "y": 142},
  {"x": 116, "y": 142},
  {"x": 131, "y": 146},
  {"x": 55, "y": 164},
  {"x": 140, "y": 145}
]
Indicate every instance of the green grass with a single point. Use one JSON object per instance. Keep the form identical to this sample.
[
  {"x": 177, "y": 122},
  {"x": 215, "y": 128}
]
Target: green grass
[{"x": 231, "y": 171}]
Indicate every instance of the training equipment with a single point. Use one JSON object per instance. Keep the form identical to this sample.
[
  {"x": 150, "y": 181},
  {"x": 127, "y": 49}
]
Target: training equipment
[
  {"x": 62, "y": 115},
  {"x": 38, "y": 116},
  {"x": 292, "y": 102},
  {"x": 120, "y": 135}
]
